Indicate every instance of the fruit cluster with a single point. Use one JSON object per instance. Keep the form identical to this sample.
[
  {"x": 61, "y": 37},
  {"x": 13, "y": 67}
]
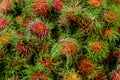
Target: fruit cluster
[{"x": 59, "y": 39}]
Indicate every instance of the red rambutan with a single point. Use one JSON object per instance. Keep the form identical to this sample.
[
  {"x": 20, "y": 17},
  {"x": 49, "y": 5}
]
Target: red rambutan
[
  {"x": 47, "y": 62},
  {"x": 95, "y": 3},
  {"x": 100, "y": 76},
  {"x": 96, "y": 46},
  {"x": 26, "y": 22},
  {"x": 68, "y": 47},
  {"x": 40, "y": 7},
  {"x": 39, "y": 76},
  {"x": 25, "y": 49},
  {"x": 5, "y": 6},
  {"x": 115, "y": 75},
  {"x": 107, "y": 33},
  {"x": 86, "y": 66},
  {"x": 3, "y": 23},
  {"x": 40, "y": 30},
  {"x": 58, "y": 4}
]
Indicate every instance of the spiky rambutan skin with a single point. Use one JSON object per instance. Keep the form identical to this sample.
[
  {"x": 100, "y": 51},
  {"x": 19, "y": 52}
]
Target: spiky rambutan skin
[
  {"x": 5, "y": 39},
  {"x": 39, "y": 76},
  {"x": 109, "y": 16},
  {"x": 71, "y": 14},
  {"x": 86, "y": 66},
  {"x": 107, "y": 33},
  {"x": 100, "y": 76},
  {"x": 95, "y": 3},
  {"x": 47, "y": 62},
  {"x": 68, "y": 47},
  {"x": 40, "y": 30},
  {"x": 5, "y": 6},
  {"x": 72, "y": 76},
  {"x": 26, "y": 21},
  {"x": 115, "y": 75},
  {"x": 45, "y": 47},
  {"x": 19, "y": 19},
  {"x": 25, "y": 49},
  {"x": 40, "y": 7},
  {"x": 3, "y": 23},
  {"x": 96, "y": 46},
  {"x": 58, "y": 4}
]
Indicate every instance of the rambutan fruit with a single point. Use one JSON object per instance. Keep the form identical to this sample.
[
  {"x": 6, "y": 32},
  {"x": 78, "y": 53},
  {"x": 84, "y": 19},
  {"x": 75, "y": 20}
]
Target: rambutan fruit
[
  {"x": 115, "y": 75},
  {"x": 39, "y": 76},
  {"x": 45, "y": 47},
  {"x": 86, "y": 66},
  {"x": 5, "y": 6},
  {"x": 40, "y": 7},
  {"x": 26, "y": 21},
  {"x": 25, "y": 49},
  {"x": 3, "y": 23},
  {"x": 95, "y": 3},
  {"x": 100, "y": 76},
  {"x": 58, "y": 4},
  {"x": 107, "y": 33},
  {"x": 47, "y": 62},
  {"x": 96, "y": 46},
  {"x": 68, "y": 47},
  {"x": 40, "y": 30},
  {"x": 72, "y": 76},
  {"x": 5, "y": 39},
  {"x": 71, "y": 16},
  {"x": 109, "y": 16},
  {"x": 19, "y": 19}
]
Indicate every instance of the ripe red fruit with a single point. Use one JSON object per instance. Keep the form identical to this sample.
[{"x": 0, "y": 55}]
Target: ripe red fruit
[
  {"x": 95, "y": 3},
  {"x": 96, "y": 46},
  {"x": 115, "y": 75},
  {"x": 5, "y": 6},
  {"x": 3, "y": 23},
  {"x": 40, "y": 7},
  {"x": 68, "y": 47},
  {"x": 100, "y": 76},
  {"x": 86, "y": 66},
  {"x": 39, "y": 76},
  {"x": 25, "y": 49},
  {"x": 40, "y": 30},
  {"x": 58, "y": 4},
  {"x": 47, "y": 62}
]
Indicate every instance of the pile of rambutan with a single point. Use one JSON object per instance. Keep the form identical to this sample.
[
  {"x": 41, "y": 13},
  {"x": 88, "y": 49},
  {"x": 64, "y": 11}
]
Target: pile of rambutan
[{"x": 59, "y": 39}]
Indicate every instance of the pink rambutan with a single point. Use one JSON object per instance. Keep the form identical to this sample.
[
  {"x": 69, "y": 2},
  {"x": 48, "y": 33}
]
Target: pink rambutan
[
  {"x": 86, "y": 66},
  {"x": 58, "y": 4},
  {"x": 3, "y": 23},
  {"x": 39, "y": 76},
  {"x": 5, "y": 6},
  {"x": 40, "y": 7},
  {"x": 40, "y": 30},
  {"x": 115, "y": 75}
]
